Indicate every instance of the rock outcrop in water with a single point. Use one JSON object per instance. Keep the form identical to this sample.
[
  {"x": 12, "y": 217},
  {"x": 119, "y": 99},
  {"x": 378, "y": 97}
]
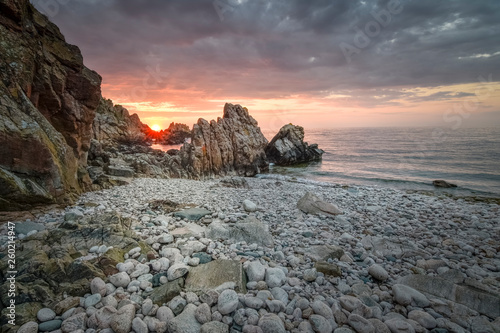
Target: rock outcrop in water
[
  {"x": 175, "y": 134},
  {"x": 48, "y": 100},
  {"x": 288, "y": 147},
  {"x": 234, "y": 144}
]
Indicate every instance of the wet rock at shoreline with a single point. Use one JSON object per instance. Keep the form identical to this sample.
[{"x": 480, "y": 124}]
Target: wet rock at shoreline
[
  {"x": 288, "y": 147},
  {"x": 443, "y": 183}
]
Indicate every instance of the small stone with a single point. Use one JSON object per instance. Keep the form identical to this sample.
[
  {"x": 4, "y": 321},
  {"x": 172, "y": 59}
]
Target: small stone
[
  {"x": 164, "y": 313},
  {"x": 405, "y": 295},
  {"x": 139, "y": 270},
  {"x": 177, "y": 304},
  {"x": 328, "y": 268},
  {"x": 423, "y": 318},
  {"x": 147, "y": 306},
  {"x": 271, "y": 323},
  {"x": 176, "y": 271},
  {"x": 378, "y": 272},
  {"x": 203, "y": 314},
  {"x": 98, "y": 286},
  {"x": 74, "y": 323},
  {"x": 228, "y": 301},
  {"x": 399, "y": 325},
  {"x": 275, "y": 277},
  {"x": 109, "y": 300},
  {"x": 29, "y": 327},
  {"x": 139, "y": 326},
  {"x": 350, "y": 302},
  {"x": 249, "y": 206},
  {"x": 255, "y": 271},
  {"x": 121, "y": 322},
  {"x": 360, "y": 324},
  {"x": 92, "y": 300},
  {"x": 280, "y": 294},
  {"x": 185, "y": 322},
  {"x": 310, "y": 275},
  {"x": 45, "y": 314},
  {"x": 254, "y": 302},
  {"x": 320, "y": 324},
  {"x": 121, "y": 279},
  {"x": 322, "y": 309},
  {"x": 50, "y": 325}
]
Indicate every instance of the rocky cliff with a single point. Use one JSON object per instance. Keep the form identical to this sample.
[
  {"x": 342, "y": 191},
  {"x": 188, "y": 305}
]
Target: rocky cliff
[
  {"x": 113, "y": 122},
  {"x": 234, "y": 144},
  {"x": 48, "y": 100},
  {"x": 288, "y": 147}
]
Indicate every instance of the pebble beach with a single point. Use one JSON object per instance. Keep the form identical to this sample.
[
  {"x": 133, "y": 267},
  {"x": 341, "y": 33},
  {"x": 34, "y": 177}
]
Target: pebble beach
[{"x": 390, "y": 261}]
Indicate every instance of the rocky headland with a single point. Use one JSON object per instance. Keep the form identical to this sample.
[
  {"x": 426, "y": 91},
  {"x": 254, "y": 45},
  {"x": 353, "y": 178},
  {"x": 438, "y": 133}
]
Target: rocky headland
[{"x": 60, "y": 137}]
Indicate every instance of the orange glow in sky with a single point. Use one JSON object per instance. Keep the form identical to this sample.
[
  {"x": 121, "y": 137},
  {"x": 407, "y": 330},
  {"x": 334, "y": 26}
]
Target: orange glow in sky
[{"x": 471, "y": 105}]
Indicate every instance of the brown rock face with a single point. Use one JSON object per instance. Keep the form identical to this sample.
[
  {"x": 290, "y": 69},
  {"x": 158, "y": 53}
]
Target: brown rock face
[
  {"x": 113, "y": 122},
  {"x": 48, "y": 100},
  {"x": 231, "y": 145}
]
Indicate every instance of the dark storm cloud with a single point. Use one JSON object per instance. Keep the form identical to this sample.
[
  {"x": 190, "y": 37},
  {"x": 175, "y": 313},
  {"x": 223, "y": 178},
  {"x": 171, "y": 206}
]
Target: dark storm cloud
[{"x": 269, "y": 49}]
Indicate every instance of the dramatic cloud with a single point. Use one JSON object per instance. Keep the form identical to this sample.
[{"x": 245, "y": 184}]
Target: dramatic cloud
[{"x": 183, "y": 58}]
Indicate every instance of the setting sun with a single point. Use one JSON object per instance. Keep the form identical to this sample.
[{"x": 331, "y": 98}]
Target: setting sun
[{"x": 156, "y": 128}]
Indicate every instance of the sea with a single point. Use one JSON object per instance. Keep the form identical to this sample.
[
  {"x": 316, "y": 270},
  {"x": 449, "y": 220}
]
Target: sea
[
  {"x": 404, "y": 158},
  {"x": 401, "y": 158}
]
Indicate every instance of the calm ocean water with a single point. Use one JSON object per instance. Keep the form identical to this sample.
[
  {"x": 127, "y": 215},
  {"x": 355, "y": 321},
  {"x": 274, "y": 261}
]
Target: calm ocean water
[{"x": 405, "y": 158}]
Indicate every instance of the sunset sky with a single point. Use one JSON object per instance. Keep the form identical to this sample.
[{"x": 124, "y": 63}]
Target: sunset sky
[{"x": 316, "y": 63}]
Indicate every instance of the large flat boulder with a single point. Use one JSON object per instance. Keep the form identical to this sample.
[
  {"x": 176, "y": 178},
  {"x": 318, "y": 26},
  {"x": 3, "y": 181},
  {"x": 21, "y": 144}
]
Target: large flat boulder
[
  {"x": 250, "y": 230},
  {"x": 312, "y": 204},
  {"x": 484, "y": 300},
  {"x": 192, "y": 214},
  {"x": 213, "y": 274}
]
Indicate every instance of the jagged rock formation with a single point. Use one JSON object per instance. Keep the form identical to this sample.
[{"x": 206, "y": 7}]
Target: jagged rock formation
[
  {"x": 288, "y": 147},
  {"x": 176, "y": 134},
  {"x": 48, "y": 100},
  {"x": 234, "y": 144},
  {"x": 55, "y": 145},
  {"x": 113, "y": 123}
]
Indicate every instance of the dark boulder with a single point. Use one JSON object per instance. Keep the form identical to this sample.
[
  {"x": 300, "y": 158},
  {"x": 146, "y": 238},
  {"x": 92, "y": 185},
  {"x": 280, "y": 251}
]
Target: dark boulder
[
  {"x": 443, "y": 184},
  {"x": 288, "y": 147}
]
